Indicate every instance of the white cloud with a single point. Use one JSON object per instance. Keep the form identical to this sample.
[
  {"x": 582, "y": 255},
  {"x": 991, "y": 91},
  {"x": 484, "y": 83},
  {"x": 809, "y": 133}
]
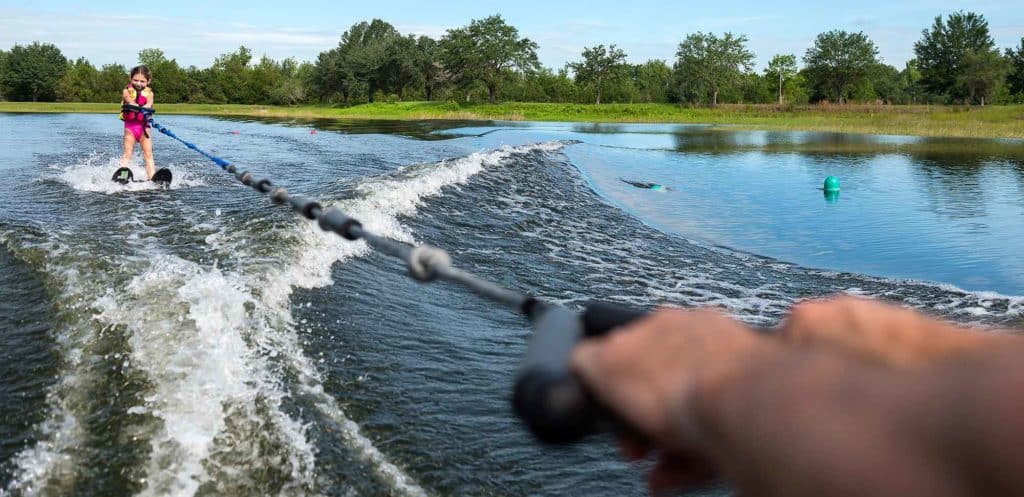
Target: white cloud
[
  {"x": 423, "y": 30},
  {"x": 322, "y": 41}
]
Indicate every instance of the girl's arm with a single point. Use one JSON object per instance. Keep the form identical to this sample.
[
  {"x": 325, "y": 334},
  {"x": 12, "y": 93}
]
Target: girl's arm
[
  {"x": 149, "y": 99},
  {"x": 126, "y": 97}
]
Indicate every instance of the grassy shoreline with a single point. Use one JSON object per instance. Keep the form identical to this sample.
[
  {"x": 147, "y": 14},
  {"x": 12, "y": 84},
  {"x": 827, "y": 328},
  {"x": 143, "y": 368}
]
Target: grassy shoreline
[{"x": 940, "y": 121}]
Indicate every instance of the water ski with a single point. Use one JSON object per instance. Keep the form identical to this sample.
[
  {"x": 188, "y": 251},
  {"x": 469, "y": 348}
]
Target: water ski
[
  {"x": 162, "y": 177},
  {"x": 123, "y": 175}
]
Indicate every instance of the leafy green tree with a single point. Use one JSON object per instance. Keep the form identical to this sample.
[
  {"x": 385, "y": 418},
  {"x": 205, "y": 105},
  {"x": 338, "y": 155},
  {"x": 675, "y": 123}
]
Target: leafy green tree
[
  {"x": 264, "y": 78},
  {"x": 887, "y": 84},
  {"x": 231, "y": 73},
  {"x": 170, "y": 83},
  {"x": 958, "y": 58},
  {"x": 33, "y": 72},
  {"x": 80, "y": 83},
  {"x": 487, "y": 51},
  {"x": 110, "y": 79},
  {"x": 403, "y": 67},
  {"x": 1015, "y": 78},
  {"x": 331, "y": 77},
  {"x": 152, "y": 57},
  {"x": 3, "y": 70},
  {"x": 983, "y": 71},
  {"x": 366, "y": 53},
  {"x": 797, "y": 89},
  {"x": 911, "y": 81},
  {"x": 707, "y": 65},
  {"x": 430, "y": 66},
  {"x": 207, "y": 86},
  {"x": 547, "y": 85},
  {"x": 840, "y": 62},
  {"x": 781, "y": 68},
  {"x": 290, "y": 89},
  {"x": 598, "y": 66},
  {"x": 758, "y": 89},
  {"x": 652, "y": 79}
]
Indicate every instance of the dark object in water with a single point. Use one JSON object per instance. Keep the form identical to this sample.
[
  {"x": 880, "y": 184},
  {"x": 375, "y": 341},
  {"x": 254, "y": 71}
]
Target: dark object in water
[
  {"x": 645, "y": 185},
  {"x": 162, "y": 177},
  {"x": 123, "y": 175}
]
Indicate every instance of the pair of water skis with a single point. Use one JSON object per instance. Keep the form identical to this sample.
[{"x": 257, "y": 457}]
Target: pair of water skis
[{"x": 162, "y": 177}]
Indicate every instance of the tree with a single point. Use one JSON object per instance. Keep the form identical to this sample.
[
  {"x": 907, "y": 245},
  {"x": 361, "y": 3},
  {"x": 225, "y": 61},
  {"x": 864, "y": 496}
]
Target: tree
[
  {"x": 33, "y": 72},
  {"x": 290, "y": 88},
  {"x": 598, "y": 66},
  {"x": 781, "y": 68},
  {"x": 434, "y": 75},
  {"x": 231, "y": 75},
  {"x": 958, "y": 58},
  {"x": 887, "y": 84},
  {"x": 983, "y": 71},
  {"x": 839, "y": 62},
  {"x": 1015, "y": 79},
  {"x": 151, "y": 57},
  {"x": 3, "y": 70},
  {"x": 759, "y": 89},
  {"x": 403, "y": 66},
  {"x": 367, "y": 53},
  {"x": 911, "y": 82},
  {"x": 170, "y": 82},
  {"x": 110, "y": 80},
  {"x": 80, "y": 83},
  {"x": 706, "y": 65},
  {"x": 488, "y": 51},
  {"x": 652, "y": 79},
  {"x": 332, "y": 76},
  {"x": 264, "y": 79}
]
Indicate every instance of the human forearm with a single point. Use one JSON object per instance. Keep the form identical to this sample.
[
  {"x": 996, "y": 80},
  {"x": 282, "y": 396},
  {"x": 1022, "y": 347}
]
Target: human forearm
[{"x": 795, "y": 423}]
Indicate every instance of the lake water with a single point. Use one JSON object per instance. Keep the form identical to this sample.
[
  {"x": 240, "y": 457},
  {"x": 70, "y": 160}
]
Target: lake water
[{"x": 201, "y": 341}]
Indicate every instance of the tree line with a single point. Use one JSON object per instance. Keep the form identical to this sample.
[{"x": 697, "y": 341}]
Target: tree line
[{"x": 956, "y": 61}]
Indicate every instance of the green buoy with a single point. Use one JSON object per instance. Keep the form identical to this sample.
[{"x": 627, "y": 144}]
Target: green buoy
[{"x": 831, "y": 184}]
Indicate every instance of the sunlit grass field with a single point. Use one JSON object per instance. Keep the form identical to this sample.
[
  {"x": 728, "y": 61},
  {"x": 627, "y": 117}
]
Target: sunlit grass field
[{"x": 953, "y": 121}]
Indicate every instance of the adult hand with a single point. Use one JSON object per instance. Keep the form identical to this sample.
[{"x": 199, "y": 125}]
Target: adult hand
[
  {"x": 649, "y": 372},
  {"x": 879, "y": 333}
]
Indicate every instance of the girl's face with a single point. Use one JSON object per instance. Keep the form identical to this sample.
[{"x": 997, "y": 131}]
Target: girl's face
[{"x": 139, "y": 82}]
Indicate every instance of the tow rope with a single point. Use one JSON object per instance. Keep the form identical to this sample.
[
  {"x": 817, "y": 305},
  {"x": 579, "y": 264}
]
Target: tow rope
[{"x": 549, "y": 399}]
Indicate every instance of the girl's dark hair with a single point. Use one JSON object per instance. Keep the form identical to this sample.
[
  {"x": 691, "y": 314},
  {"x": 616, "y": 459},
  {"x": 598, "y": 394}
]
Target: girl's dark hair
[{"x": 143, "y": 70}]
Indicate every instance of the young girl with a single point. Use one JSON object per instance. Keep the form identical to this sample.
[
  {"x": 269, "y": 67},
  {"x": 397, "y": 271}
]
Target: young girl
[{"x": 136, "y": 127}]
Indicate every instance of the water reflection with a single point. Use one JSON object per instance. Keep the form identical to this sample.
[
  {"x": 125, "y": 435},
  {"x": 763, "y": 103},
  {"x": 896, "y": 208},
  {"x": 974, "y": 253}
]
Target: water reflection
[{"x": 420, "y": 129}]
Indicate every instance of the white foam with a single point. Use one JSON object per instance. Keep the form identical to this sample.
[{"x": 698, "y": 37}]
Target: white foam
[
  {"x": 94, "y": 173},
  {"x": 195, "y": 354}
]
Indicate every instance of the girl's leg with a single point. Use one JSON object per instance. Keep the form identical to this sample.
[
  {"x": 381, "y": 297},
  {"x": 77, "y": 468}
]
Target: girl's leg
[
  {"x": 146, "y": 143},
  {"x": 129, "y": 147}
]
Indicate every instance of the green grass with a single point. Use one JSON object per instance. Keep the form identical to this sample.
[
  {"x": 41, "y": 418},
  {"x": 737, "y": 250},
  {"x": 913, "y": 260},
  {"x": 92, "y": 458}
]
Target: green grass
[{"x": 951, "y": 121}]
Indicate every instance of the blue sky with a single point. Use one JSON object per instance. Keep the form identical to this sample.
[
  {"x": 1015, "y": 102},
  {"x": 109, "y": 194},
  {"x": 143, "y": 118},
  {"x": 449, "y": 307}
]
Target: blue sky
[{"x": 194, "y": 32}]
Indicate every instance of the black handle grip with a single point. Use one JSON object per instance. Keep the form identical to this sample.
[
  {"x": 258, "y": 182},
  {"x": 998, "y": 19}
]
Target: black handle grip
[
  {"x": 601, "y": 317},
  {"x": 137, "y": 108},
  {"x": 552, "y": 402}
]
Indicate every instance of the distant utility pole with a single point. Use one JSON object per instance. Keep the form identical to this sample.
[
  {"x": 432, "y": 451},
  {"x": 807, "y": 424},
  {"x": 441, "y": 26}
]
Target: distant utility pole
[{"x": 780, "y": 86}]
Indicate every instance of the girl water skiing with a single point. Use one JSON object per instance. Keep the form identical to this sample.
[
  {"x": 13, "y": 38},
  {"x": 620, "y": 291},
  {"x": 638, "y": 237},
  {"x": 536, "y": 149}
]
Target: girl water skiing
[{"x": 136, "y": 127}]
